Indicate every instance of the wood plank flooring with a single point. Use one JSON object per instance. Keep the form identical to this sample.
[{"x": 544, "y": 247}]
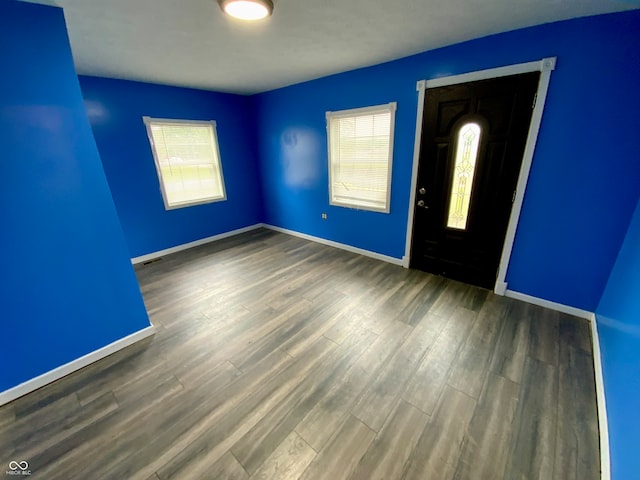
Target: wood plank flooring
[{"x": 279, "y": 358}]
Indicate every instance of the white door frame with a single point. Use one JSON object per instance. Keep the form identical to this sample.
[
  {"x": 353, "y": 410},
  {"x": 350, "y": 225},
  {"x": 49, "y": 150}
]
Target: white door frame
[{"x": 545, "y": 67}]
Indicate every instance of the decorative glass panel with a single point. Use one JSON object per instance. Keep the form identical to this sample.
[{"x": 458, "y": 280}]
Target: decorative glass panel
[{"x": 463, "y": 173}]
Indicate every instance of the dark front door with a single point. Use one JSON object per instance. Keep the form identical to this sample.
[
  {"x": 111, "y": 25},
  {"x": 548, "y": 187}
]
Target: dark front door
[{"x": 473, "y": 139}]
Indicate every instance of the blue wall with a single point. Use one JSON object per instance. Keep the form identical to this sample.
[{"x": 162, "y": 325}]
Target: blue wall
[
  {"x": 116, "y": 108},
  {"x": 68, "y": 285},
  {"x": 619, "y": 330},
  {"x": 584, "y": 178}
]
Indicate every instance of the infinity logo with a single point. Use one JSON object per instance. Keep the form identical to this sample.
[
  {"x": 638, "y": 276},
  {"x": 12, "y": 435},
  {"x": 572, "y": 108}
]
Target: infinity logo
[{"x": 13, "y": 465}]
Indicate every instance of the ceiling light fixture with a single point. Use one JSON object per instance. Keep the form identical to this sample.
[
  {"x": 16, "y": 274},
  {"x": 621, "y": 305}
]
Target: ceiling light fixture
[{"x": 247, "y": 9}]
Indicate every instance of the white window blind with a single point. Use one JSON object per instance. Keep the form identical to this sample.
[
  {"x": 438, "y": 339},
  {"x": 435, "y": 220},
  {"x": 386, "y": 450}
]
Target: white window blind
[
  {"x": 360, "y": 157},
  {"x": 187, "y": 161}
]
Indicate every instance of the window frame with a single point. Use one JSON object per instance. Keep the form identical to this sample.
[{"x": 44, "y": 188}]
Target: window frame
[
  {"x": 390, "y": 108},
  {"x": 148, "y": 121}
]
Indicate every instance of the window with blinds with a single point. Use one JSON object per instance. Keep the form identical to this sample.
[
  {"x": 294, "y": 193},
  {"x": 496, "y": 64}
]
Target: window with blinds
[
  {"x": 360, "y": 155},
  {"x": 187, "y": 161}
]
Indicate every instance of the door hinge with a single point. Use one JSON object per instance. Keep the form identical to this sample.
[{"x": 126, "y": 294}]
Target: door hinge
[
  {"x": 513, "y": 199},
  {"x": 535, "y": 98}
]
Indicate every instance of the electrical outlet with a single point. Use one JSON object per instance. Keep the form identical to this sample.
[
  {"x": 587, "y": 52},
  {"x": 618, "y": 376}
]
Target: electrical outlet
[{"x": 324, "y": 216}]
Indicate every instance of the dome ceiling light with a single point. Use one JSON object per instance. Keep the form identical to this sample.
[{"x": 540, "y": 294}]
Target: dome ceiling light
[{"x": 247, "y": 9}]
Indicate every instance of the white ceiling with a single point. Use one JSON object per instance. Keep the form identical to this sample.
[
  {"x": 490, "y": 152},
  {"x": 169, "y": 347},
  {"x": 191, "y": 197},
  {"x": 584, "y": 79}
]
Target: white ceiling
[{"x": 191, "y": 43}]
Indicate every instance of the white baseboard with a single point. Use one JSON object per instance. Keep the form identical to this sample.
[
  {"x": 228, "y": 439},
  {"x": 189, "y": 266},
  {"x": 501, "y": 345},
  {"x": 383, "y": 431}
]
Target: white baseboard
[
  {"x": 603, "y": 424},
  {"x": 548, "y": 304},
  {"x": 342, "y": 246},
  {"x": 64, "y": 370},
  {"x": 202, "y": 241}
]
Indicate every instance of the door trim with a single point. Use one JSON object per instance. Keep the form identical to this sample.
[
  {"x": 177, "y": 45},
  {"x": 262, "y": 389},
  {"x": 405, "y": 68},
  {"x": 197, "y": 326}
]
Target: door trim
[{"x": 545, "y": 66}]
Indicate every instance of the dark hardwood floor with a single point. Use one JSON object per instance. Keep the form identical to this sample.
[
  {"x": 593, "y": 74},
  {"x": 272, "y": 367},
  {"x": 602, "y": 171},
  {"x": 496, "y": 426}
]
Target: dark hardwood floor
[{"x": 279, "y": 358}]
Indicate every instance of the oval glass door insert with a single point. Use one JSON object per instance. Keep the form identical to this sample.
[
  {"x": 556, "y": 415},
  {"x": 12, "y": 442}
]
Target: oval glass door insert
[{"x": 463, "y": 173}]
